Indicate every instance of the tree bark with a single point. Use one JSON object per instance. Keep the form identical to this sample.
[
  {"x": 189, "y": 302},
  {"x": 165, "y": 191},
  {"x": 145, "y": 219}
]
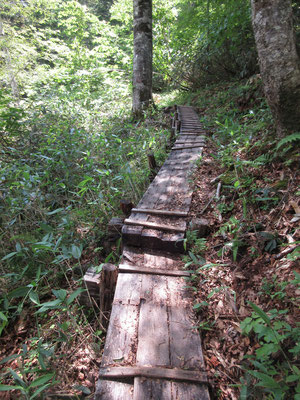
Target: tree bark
[
  {"x": 272, "y": 22},
  {"x": 142, "y": 56}
]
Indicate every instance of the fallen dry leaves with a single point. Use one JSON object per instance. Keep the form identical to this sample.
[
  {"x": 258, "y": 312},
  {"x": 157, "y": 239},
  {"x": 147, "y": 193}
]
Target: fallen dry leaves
[{"x": 241, "y": 280}]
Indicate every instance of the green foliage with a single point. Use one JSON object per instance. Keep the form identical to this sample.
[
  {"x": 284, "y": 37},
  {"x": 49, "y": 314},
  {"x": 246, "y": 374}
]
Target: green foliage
[
  {"x": 273, "y": 369},
  {"x": 295, "y": 137}
]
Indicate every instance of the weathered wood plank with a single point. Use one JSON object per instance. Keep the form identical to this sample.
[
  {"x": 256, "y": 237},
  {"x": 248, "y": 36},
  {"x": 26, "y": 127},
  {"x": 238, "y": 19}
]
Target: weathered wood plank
[
  {"x": 154, "y": 373},
  {"x": 187, "y": 147},
  {"x": 123, "y": 325},
  {"x": 153, "y": 271},
  {"x": 150, "y": 389},
  {"x": 160, "y": 212},
  {"x": 189, "y": 391},
  {"x": 153, "y": 225},
  {"x": 109, "y": 390},
  {"x": 153, "y": 343},
  {"x": 185, "y": 343}
]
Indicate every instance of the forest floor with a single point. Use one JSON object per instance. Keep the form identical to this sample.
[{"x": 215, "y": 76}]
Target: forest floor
[{"x": 260, "y": 271}]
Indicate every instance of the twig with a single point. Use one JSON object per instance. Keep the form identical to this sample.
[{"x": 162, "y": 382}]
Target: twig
[
  {"x": 218, "y": 191},
  {"x": 216, "y": 179},
  {"x": 210, "y": 200},
  {"x": 285, "y": 252},
  {"x": 217, "y": 196}
]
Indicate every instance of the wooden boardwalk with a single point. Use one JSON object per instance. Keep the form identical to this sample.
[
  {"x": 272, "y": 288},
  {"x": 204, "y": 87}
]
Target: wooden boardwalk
[{"x": 152, "y": 349}]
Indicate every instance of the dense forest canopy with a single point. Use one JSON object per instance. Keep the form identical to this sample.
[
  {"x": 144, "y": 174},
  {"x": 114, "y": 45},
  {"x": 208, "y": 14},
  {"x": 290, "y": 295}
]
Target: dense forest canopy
[{"x": 70, "y": 151}]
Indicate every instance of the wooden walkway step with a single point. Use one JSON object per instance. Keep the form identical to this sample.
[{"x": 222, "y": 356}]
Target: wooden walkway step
[
  {"x": 168, "y": 191},
  {"x": 153, "y": 349}
]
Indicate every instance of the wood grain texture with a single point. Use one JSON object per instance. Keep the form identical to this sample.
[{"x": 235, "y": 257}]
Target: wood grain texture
[
  {"x": 154, "y": 373},
  {"x": 152, "y": 271},
  {"x": 112, "y": 390}
]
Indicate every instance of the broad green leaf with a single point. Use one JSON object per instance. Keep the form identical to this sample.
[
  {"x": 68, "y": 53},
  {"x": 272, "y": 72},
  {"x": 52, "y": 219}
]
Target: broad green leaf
[
  {"x": 50, "y": 305},
  {"x": 10, "y": 255},
  {"x": 261, "y": 313},
  {"x": 73, "y": 295},
  {"x": 83, "y": 389},
  {"x": 19, "y": 292},
  {"x": 76, "y": 251},
  {"x": 40, "y": 389},
  {"x": 34, "y": 297},
  {"x": 60, "y": 294},
  {"x": 12, "y": 357},
  {"x": 5, "y": 388},
  {"x": 42, "y": 379},
  {"x": 17, "y": 378},
  {"x": 3, "y": 317}
]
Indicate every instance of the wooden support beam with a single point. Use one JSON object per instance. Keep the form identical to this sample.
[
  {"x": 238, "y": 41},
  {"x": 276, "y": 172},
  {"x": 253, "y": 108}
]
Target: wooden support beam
[
  {"x": 153, "y": 225},
  {"x": 126, "y": 268},
  {"x": 199, "y": 377},
  {"x": 126, "y": 206},
  {"x": 174, "y": 213},
  {"x": 151, "y": 161},
  {"x": 107, "y": 284}
]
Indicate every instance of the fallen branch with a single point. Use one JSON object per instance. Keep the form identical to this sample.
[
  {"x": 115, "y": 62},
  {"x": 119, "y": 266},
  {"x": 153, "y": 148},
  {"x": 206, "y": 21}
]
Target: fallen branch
[
  {"x": 285, "y": 252},
  {"x": 217, "y": 196},
  {"x": 218, "y": 191},
  {"x": 217, "y": 178}
]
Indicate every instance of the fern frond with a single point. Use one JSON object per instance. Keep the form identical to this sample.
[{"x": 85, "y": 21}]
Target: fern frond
[{"x": 288, "y": 139}]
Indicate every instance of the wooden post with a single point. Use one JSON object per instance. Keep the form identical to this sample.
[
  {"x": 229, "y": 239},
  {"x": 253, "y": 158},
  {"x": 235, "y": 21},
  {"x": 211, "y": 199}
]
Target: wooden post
[
  {"x": 126, "y": 206},
  {"x": 152, "y": 165},
  {"x": 91, "y": 296},
  {"x": 107, "y": 284},
  {"x": 114, "y": 228}
]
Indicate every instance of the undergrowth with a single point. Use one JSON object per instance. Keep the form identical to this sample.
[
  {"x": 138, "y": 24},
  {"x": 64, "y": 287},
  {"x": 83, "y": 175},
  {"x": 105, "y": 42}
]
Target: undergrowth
[{"x": 61, "y": 181}]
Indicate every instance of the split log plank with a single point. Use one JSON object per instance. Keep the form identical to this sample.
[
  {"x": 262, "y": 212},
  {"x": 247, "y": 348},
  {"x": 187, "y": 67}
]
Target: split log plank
[
  {"x": 153, "y": 337},
  {"x": 112, "y": 390},
  {"x": 122, "y": 330},
  {"x": 187, "y": 147},
  {"x": 152, "y": 271},
  {"x": 153, "y": 225},
  {"x": 160, "y": 212},
  {"x": 153, "y": 372}
]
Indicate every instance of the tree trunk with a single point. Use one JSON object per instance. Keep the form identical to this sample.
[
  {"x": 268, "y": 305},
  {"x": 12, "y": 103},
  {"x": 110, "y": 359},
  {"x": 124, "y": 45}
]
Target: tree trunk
[
  {"x": 142, "y": 56},
  {"x": 279, "y": 62}
]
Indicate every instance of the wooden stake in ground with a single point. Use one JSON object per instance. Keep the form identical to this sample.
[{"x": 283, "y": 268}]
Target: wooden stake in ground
[{"x": 107, "y": 284}]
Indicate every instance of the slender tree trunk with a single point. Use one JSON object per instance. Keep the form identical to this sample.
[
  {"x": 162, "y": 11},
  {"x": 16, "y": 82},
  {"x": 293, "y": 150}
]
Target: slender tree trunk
[
  {"x": 142, "y": 56},
  {"x": 279, "y": 62}
]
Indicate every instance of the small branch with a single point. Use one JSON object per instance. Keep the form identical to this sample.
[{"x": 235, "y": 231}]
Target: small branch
[
  {"x": 285, "y": 252},
  {"x": 216, "y": 179},
  {"x": 218, "y": 191}
]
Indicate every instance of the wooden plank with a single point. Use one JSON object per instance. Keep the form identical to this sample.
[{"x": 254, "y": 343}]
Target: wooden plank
[
  {"x": 121, "y": 336},
  {"x": 190, "y": 134},
  {"x": 187, "y": 147},
  {"x": 152, "y": 389},
  {"x": 153, "y": 343},
  {"x": 190, "y": 141},
  {"x": 189, "y": 391},
  {"x": 153, "y": 225},
  {"x": 160, "y": 212},
  {"x": 153, "y": 372},
  {"x": 154, "y": 271},
  {"x": 109, "y": 390},
  {"x": 185, "y": 343}
]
